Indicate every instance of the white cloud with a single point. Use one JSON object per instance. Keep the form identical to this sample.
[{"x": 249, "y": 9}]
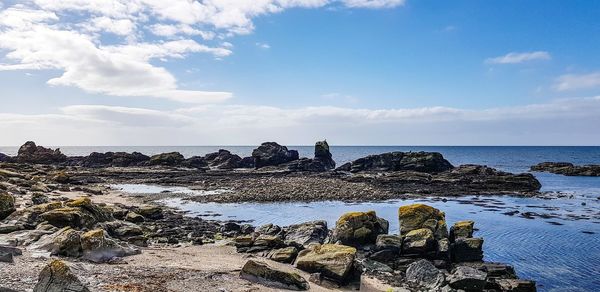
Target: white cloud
[
  {"x": 566, "y": 121},
  {"x": 577, "y": 81},
  {"x": 517, "y": 58},
  {"x": 263, "y": 45},
  {"x": 122, "y": 27},
  {"x": 373, "y": 3}
]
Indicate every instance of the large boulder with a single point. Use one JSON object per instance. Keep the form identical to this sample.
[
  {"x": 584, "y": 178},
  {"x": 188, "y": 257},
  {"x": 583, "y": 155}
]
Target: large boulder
[
  {"x": 356, "y": 228},
  {"x": 223, "y": 159},
  {"x": 467, "y": 278},
  {"x": 98, "y": 247},
  {"x": 264, "y": 274},
  {"x": 272, "y": 154},
  {"x": 118, "y": 159},
  {"x": 323, "y": 155},
  {"x": 7, "y": 204},
  {"x": 31, "y": 153},
  {"x": 481, "y": 178},
  {"x": 461, "y": 229},
  {"x": 283, "y": 255},
  {"x": 303, "y": 234},
  {"x": 168, "y": 159},
  {"x": 423, "y": 273},
  {"x": 57, "y": 277},
  {"x": 67, "y": 242},
  {"x": 417, "y": 216},
  {"x": 428, "y": 162},
  {"x": 333, "y": 261},
  {"x": 78, "y": 213},
  {"x": 418, "y": 241}
]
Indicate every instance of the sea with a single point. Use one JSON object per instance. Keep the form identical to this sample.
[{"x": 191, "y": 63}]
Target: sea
[{"x": 560, "y": 250}]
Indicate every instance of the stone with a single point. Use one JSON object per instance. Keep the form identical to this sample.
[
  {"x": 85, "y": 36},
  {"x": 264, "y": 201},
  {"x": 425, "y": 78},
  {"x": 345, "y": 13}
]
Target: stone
[
  {"x": 266, "y": 275},
  {"x": 370, "y": 283},
  {"x": 247, "y": 162},
  {"x": 5, "y": 158},
  {"x": 39, "y": 198},
  {"x": 283, "y": 255},
  {"x": 244, "y": 241},
  {"x": 467, "y": 278},
  {"x": 98, "y": 247},
  {"x": 516, "y": 285},
  {"x": 223, "y": 159},
  {"x": 304, "y": 164},
  {"x": 61, "y": 177},
  {"x": 31, "y": 153},
  {"x": 116, "y": 159},
  {"x": 303, "y": 234},
  {"x": 483, "y": 179},
  {"x": 467, "y": 249},
  {"x": 6, "y": 257},
  {"x": 443, "y": 249},
  {"x": 73, "y": 217},
  {"x": 168, "y": 159},
  {"x": 461, "y": 229},
  {"x": 425, "y": 274},
  {"x": 417, "y": 216},
  {"x": 323, "y": 155},
  {"x": 271, "y": 241},
  {"x": 357, "y": 228},
  {"x": 331, "y": 260},
  {"x": 67, "y": 242},
  {"x": 391, "y": 242},
  {"x": 195, "y": 162},
  {"x": 428, "y": 162},
  {"x": 57, "y": 277},
  {"x": 372, "y": 266},
  {"x": 15, "y": 251},
  {"x": 134, "y": 217},
  {"x": 418, "y": 241},
  {"x": 7, "y": 204},
  {"x": 269, "y": 229},
  {"x": 569, "y": 169},
  {"x": 272, "y": 154},
  {"x": 151, "y": 212}
]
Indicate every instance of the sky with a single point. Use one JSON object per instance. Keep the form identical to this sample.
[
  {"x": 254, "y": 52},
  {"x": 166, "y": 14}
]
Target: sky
[{"x": 354, "y": 72}]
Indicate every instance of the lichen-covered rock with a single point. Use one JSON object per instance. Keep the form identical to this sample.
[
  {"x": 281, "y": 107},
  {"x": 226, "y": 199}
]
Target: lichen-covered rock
[
  {"x": 79, "y": 213},
  {"x": 462, "y": 229},
  {"x": 331, "y": 260},
  {"x": 425, "y": 274},
  {"x": 169, "y": 159},
  {"x": 356, "y": 228},
  {"x": 417, "y": 216},
  {"x": 264, "y": 274},
  {"x": 272, "y": 241},
  {"x": 31, "y": 153},
  {"x": 283, "y": 255},
  {"x": 272, "y": 154},
  {"x": 323, "y": 155},
  {"x": 467, "y": 249},
  {"x": 134, "y": 217},
  {"x": 61, "y": 177},
  {"x": 57, "y": 277},
  {"x": 467, "y": 278},
  {"x": 99, "y": 247},
  {"x": 7, "y": 204},
  {"x": 303, "y": 234},
  {"x": 428, "y": 162},
  {"x": 67, "y": 242},
  {"x": 418, "y": 241},
  {"x": 269, "y": 229}
]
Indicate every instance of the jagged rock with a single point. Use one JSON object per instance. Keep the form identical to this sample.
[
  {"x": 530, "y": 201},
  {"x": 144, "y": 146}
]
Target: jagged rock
[
  {"x": 6, "y": 257},
  {"x": 389, "y": 242},
  {"x": 15, "y": 251},
  {"x": 516, "y": 285},
  {"x": 443, "y": 248},
  {"x": 271, "y": 241},
  {"x": 79, "y": 213},
  {"x": 98, "y": 247},
  {"x": 418, "y": 241},
  {"x": 323, "y": 155},
  {"x": 134, "y": 217},
  {"x": 7, "y": 204},
  {"x": 118, "y": 159},
  {"x": 30, "y": 153},
  {"x": 151, "y": 212},
  {"x": 429, "y": 162},
  {"x": 304, "y": 234},
  {"x": 39, "y": 198},
  {"x": 195, "y": 162},
  {"x": 480, "y": 178},
  {"x": 331, "y": 260},
  {"x": 264, "y": 274},
  {"x": 425, "y": 274},
  {"x": 493, "y": 270},
  {"x": 244, "y": 241},
  {"x": 372, "y": 266},
  {"x": 67, "y": 242},
  {"x": 247, "y": 162},
  {"x": 272, "y": 154},
  {"x": 223, "y": 159},
  {"x": 304, "y": 164},
  {"x": 283, "y": 255},
  {"x": 269, "y": 229},
  {"x": 5, "y": 158},
  {"x": 467, "y": 278},
  {"x": 169, "y": 159},
  {"x": 417, "y": 216},
  {"x": 356, "y": 228},
  {"x": 57, "y": 277},
  {"x": 467, "y": 249},
  {"x": 569, "y": 169},
  {"x": 461, "y": 229}
]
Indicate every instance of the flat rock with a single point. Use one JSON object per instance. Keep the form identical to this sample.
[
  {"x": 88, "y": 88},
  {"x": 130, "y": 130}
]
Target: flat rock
[{"x": 263, "y": 273}]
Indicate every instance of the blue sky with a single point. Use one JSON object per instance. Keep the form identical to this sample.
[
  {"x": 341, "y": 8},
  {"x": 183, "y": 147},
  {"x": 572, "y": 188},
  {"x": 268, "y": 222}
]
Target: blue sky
[{"x": 85, "y": 72}]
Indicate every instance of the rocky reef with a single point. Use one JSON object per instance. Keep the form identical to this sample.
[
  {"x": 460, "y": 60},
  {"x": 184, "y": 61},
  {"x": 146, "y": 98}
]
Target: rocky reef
[
  {"x": 569, "y": 169},
  {"x": 424, "y": 256}
]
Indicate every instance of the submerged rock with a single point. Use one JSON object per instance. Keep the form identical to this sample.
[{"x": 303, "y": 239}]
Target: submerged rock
[
  {"x": 331, "y": 260},
  {"x": 272, "y": 154},
  {"x": 356, "y": 228},
  {"x": 264, "y": 274},
  {"x": 57, "y": 277}
]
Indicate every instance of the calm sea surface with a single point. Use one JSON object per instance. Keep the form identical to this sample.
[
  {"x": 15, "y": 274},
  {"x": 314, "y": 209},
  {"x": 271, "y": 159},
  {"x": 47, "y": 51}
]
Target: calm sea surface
[{"x": 562, "y": 252}]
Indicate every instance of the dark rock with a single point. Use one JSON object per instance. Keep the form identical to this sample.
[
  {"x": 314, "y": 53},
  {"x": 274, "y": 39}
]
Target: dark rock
[
  {"x": 486, "y": 179},
  {"x": 230, "y": 226},
  {"x": 467, "y": 249},
  {"x": 150, "y": 212},
  {"x": 568, "y": 169},
  {"x": 134, "y": 217},
  {"x": 15, "y": 251},
  {"x": 305, "y": 164},
  {"x": 7, "y": 204},
  {"x": 5, "y": 158},
  {"x": 195, "y": 162},
  {"x": 39, "y": 198},
  {"x": 269, "y": 229},
  {"x": 57, "y": 277},
  {"x": 272, "y": 154},
  {"x": 264, "y": 274},
  {"x": 429, "y": 162},
  {"x": 372, "y": 266},
  {"x": 389, "y": 242},
  {"x": 323, "y": 155},
  {"x": 6, "y": 257},
  {"x": 247, "y": 162},
  {"x": 467, "y": 278},
  {"x": 117, "y": 159},
  {"x": 461, "y": 229},
  {"x": 345, "y": 167},
  {"x": 223, "y": 159},
  {"x": 425, "y": 274},
  {"x": 303, "y": 234},
  {"x": 168, "y": 159},
  {"x": 246, "y": 229},
  {"x": 30, "y": 153}
]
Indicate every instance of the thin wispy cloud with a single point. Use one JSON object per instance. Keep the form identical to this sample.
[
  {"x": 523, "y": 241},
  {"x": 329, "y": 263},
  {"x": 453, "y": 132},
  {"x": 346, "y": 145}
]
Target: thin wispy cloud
[
  {"x": 517, "y": 58},
  {"x": 577, "y": 81}
]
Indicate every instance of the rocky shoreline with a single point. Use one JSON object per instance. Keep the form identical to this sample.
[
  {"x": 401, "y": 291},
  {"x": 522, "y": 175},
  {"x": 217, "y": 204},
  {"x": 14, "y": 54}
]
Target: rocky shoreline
[{"x": 568, "y": 169}]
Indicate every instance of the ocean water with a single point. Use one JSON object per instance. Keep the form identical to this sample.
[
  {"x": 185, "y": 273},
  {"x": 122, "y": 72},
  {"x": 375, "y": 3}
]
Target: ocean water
[{"x": 561, "y": 252}]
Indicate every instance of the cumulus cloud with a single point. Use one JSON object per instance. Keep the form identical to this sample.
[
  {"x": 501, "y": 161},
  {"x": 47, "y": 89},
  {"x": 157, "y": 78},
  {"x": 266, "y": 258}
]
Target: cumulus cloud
[
  {"x": 517, "y": 58},
  {"x": 565, "y": 121},
  {"x": 577, "y": 81}
]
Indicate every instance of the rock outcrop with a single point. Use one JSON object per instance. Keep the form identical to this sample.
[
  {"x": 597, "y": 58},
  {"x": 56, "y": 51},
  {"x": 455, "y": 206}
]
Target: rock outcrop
[
  {"x": 223, "y": 159},
  {"x": 272, "y": 154},
  {"x": 31, "y": 153},
  {"x": 112, "y": 159},
  {"x": 359, "y": 228},
  {"x": 323, "y": 155},
  {"x": 168, "y": 159},
  {"x": 569, "y": 169},
  {"x": 428, "y": 162},
  {"x": 57, "y": 277},
  {"x": 265, "y": 274}
]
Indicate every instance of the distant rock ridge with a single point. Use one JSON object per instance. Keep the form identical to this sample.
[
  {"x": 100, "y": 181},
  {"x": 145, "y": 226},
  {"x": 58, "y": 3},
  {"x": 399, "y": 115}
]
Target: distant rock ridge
[{"x": 568, "y": 169}]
